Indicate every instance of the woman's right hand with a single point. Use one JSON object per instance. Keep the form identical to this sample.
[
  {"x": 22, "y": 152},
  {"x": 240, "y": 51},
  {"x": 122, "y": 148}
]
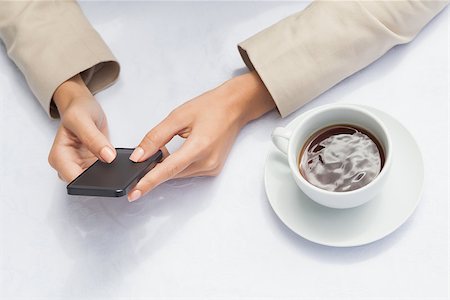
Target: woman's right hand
[{"x": 209, "y": 123}]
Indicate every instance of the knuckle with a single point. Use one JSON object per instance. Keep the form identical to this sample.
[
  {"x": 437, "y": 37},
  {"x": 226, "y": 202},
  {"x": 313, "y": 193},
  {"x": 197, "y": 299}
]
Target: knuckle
[
  {"x": 212, "y": 164},
  {"x": 214, "y": 173},
  {"x": 172, "y": 170},
  {"x": 92, "y": 141},
  {"x": 174, "y": 115},
  {"x": 146, "y": 183},
  {"x": 152, "y": 138},
  {"x": 176, "y": 118},
  {"x": 203, "y": 144},
  {"x": 51, "y": 160},
  {"x": 182, "y": 110},
  {"x": 211, "y": 173},
  {"x": 217, "y": 170}
]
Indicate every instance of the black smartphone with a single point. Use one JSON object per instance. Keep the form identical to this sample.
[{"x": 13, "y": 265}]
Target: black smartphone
[{"x": 114, "y": 179}]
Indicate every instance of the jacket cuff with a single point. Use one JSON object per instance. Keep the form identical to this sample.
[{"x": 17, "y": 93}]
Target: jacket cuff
[
  {"x": 307, "y": 53},
  {"x": 52, "y": 41},
  {"x": 273, "y": 66},
  {"x": 262, "y": 53},
  {"x": 96, "y": 64}
]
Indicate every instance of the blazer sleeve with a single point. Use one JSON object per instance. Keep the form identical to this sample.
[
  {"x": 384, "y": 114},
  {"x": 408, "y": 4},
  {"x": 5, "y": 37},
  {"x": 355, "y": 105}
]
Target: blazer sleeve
[
  {"x": 307, "y": 53},
  {"x": 50, "y": 42}
]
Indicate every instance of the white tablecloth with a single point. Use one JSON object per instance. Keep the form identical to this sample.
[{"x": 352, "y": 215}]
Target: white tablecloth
[{"x": 212, "y": 237}]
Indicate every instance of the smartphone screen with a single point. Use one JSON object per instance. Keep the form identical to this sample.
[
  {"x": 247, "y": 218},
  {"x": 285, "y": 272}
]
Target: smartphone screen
[{"x": 114, "y": 179}]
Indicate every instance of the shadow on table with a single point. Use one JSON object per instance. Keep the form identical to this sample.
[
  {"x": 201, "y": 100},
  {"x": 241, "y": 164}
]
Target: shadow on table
[
  {"x": 337, "y": 255},
  {"x": 109, "y": 237}
]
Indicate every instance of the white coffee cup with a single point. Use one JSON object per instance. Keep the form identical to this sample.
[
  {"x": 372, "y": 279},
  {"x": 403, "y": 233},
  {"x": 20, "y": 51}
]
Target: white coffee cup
[{"x": 290, "y": 142}]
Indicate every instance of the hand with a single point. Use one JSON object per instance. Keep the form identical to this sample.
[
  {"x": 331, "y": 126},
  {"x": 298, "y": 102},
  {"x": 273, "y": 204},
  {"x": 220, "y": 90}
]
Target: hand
[
  {"x": 82, "y": 134},
  {"x": 210, "y": 124}
]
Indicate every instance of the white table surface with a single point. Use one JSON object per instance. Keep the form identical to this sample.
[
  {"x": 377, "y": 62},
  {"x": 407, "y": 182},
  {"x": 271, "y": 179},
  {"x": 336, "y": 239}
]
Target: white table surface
[{"x": 217, "y": 237}]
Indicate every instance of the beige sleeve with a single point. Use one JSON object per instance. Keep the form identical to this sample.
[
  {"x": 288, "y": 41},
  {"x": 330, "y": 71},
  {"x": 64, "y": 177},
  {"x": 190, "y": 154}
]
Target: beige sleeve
[
  {"x": 309, "y": 52},
  {"x": 50, "y": 42}
]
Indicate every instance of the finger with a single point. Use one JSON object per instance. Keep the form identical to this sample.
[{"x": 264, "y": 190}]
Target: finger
[
  {"x": 169, "y": 168},
  {"x": 165, "y": 153},
  {"x": 67, "y": 171},
  {"x": 196, "y": 169},
  {"x": 156, "y": 138},
  {"x": 189, "y": 172},
  {"x": 90, "y": 135}
]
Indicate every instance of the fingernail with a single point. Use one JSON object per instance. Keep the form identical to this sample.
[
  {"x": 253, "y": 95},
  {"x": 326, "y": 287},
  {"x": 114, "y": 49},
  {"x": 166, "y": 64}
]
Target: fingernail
[
  {"x": 137, "y": 154},
  {"x": 136, "y": 194},
  {"x": 107, "y": 154}
]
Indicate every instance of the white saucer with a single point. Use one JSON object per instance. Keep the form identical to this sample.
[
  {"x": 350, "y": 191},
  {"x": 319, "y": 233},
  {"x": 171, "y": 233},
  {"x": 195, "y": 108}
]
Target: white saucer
[{"x": 356, "y": 226}]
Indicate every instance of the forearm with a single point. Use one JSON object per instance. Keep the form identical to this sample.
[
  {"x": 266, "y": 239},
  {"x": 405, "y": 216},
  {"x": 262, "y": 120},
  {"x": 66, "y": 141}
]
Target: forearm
[
  {"x": 68, "y": 91},
  {"x": 249, "y": 97}
]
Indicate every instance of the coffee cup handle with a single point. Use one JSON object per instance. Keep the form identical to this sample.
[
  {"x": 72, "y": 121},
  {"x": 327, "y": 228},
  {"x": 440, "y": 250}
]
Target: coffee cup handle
[{"x": 280, "y": 138}]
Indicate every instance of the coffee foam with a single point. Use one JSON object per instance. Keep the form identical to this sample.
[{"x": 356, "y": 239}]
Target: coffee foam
[{"x": 341, "y": 162}]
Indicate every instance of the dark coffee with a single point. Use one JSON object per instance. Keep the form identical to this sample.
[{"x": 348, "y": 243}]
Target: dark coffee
[{"x": 341, "y": 158}]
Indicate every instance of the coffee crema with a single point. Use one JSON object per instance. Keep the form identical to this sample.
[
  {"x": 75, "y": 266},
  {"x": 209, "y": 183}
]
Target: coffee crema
[{"x": 341, "y": 158}]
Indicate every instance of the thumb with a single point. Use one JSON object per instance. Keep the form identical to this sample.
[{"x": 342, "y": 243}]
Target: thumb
[{"x": 96, "y": 142}]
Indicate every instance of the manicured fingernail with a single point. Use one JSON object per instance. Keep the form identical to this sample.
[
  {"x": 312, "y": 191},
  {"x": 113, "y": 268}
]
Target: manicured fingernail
[
  {"x": 107, "y": 154},
  {"x": 137, "y": 154},
  {"x": 136, "y": 194}
]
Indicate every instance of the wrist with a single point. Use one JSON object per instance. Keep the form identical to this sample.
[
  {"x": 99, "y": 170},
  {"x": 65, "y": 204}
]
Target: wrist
[
  {"x": 251, "y": 99},
  {"x": 69, "y": 91}
]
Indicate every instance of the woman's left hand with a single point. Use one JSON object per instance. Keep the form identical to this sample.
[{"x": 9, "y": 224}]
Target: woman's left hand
[
  {"x": 210, "y": 124},
  {"x": 82, "y": 136}
]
